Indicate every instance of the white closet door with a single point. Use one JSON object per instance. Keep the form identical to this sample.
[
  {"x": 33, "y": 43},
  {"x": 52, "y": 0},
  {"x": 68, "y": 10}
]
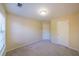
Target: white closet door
[{"x": 63, "y": 33}]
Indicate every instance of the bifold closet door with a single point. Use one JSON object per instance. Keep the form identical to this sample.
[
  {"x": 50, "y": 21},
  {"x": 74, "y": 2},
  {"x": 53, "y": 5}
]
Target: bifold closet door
[{"x": 63, "y": 33}]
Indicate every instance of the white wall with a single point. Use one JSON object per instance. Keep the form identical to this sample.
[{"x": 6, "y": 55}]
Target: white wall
[{"x": 22, "y": 31}]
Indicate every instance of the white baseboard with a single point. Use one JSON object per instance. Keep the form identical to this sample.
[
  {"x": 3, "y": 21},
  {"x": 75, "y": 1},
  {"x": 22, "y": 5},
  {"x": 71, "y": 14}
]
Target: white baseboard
[
  {"x": 22, "y": 46},
  {"x": 74, "y": 49},
  {"x": 66, "y": 46}
]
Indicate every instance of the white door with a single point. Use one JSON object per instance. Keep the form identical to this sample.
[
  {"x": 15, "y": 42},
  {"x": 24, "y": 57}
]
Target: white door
[
  {"x": 63, "y": 32},
  {"x": 2, "y": 34},
  {"x": 46, "y": 32}
]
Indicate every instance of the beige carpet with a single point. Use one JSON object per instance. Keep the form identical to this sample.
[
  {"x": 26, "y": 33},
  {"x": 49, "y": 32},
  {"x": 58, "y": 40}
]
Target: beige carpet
[{"x": 43, "y": 48}]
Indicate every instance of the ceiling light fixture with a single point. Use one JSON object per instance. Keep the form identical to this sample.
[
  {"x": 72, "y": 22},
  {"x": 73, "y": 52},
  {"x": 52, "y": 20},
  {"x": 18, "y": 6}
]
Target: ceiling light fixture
[{"x": 43, "y": 12}]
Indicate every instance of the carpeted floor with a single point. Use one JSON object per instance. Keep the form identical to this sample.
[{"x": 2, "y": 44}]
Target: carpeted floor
[{"x": 43, "y": 48}]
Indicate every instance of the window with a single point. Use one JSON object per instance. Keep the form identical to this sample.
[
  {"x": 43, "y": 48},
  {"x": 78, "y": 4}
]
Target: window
[{"x": 2, "y": 32}]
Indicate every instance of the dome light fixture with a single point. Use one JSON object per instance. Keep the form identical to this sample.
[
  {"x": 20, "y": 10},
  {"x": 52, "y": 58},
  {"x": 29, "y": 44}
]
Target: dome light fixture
[{"x": 43, "y": 12}]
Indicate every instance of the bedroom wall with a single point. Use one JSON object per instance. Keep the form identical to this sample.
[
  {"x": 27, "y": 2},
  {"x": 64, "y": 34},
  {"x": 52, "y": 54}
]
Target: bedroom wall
[
  {"x": 73, "y": 34},
  {"x": 2, "y": 10},
  {"x": 53, "y": 30},
  {"x": 22, "y": 31}
]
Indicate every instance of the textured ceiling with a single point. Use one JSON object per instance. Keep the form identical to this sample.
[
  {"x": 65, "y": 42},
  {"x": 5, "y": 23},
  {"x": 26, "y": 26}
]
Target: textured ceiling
[{"x": 30, "y": 10}]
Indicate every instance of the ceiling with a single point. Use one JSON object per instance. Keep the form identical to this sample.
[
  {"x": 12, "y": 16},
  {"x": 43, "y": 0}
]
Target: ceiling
[{"x": 30, "y": 10}]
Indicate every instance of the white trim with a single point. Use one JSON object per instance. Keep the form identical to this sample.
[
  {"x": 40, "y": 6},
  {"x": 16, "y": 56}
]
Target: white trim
[
  {"x": 74, "y": 49},
  {"x": 3, "y": 52},
  {"x": 22, "y": 45}
]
